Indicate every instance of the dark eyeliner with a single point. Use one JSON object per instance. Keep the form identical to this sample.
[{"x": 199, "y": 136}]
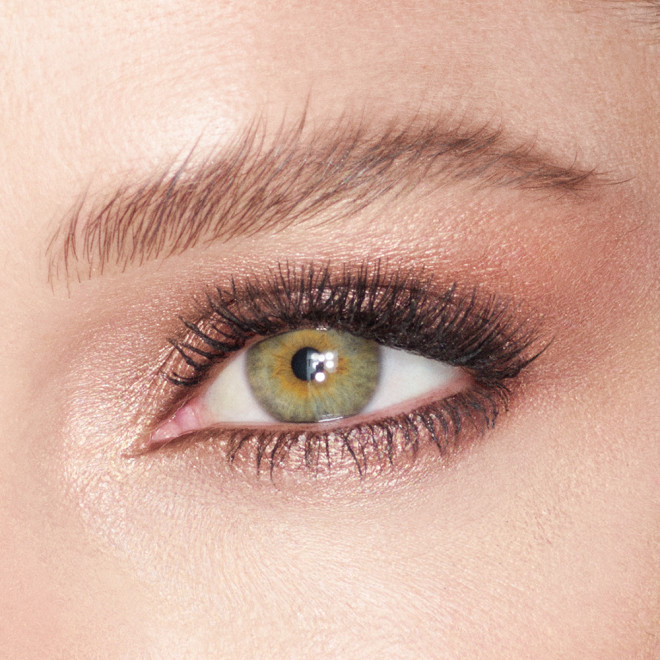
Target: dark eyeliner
[{"x": 463, "y": 327}]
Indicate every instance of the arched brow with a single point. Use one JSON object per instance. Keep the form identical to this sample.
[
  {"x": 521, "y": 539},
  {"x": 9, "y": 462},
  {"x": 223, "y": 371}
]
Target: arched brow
[{"x": 300, "y": 175}]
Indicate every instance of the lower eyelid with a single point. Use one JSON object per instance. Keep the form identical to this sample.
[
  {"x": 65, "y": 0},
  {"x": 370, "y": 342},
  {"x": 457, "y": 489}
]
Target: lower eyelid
[{"x": 445, "y": 426}]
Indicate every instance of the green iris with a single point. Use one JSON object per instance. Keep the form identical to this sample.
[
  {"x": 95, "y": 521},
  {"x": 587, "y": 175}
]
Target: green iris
[{"x": 313, "y": 375}]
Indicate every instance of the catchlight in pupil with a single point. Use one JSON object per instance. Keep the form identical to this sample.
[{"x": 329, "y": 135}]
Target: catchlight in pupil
[{"x": 308, "y": 364}]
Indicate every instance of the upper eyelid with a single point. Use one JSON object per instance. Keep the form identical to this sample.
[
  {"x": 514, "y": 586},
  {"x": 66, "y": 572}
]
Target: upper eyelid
[{"x": 475, "y": 316}]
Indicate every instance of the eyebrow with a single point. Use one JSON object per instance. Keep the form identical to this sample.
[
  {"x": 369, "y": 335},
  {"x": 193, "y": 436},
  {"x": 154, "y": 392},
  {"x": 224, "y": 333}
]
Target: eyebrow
[{"x": 256, "y": 185}]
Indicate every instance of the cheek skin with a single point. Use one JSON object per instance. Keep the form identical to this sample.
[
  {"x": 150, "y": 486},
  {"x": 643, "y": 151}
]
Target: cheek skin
[{"x": 521, "y": 531}]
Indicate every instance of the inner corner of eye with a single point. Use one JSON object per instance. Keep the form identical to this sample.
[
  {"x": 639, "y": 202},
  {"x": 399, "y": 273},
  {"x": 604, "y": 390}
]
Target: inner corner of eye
[{"x": 311, "y": 376}]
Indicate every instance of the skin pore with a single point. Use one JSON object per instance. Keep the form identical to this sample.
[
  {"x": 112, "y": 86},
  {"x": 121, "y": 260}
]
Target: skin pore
[{"x": 526, "y": 166}]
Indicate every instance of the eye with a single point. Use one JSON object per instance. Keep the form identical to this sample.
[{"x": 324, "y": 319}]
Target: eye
[
  {"x": 311, "y": 376},
  {"x": 305, "y": 366}
]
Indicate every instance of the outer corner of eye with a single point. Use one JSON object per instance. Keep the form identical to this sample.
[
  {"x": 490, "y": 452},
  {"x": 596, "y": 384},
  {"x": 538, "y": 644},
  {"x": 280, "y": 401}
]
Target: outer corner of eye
[{"x": 312, "y": 376}]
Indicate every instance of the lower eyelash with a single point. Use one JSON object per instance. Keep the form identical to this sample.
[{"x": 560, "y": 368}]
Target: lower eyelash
[{"x": 363, "y": 446}]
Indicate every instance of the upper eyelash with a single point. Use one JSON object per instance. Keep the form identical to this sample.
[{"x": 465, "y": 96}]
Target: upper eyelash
[{"x": 403, "y": 310}]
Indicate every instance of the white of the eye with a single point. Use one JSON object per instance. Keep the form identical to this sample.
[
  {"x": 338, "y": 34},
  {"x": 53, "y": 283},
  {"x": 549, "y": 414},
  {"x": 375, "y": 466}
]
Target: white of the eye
[
  {"x": 404, "y": 376},
  {"x": 230, "y": 398}
]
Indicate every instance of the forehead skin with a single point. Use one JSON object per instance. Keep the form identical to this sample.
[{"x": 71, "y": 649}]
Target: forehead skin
[{"x": 551, "y": 552}]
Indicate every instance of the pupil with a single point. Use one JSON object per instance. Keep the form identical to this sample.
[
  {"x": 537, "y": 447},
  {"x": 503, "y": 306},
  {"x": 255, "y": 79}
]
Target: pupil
[{"x": 307, "y": 362}]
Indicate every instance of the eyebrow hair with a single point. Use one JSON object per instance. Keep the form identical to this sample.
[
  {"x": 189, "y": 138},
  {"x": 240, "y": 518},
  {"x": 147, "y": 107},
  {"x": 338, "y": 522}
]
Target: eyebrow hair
[
  {"x": 644, "y": 14},
  {"x": 255, "y": 186},
  {"x": 650, "y": 7},
  {"x": 649, "y": 10}
]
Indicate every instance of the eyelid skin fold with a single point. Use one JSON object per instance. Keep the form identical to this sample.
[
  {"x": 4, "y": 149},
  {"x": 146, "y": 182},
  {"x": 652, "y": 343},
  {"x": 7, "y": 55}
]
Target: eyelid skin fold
[{"x": 487, "y": 338}]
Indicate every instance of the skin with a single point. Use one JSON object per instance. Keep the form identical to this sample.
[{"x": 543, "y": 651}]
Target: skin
[{"x": 541, "y": 539}]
